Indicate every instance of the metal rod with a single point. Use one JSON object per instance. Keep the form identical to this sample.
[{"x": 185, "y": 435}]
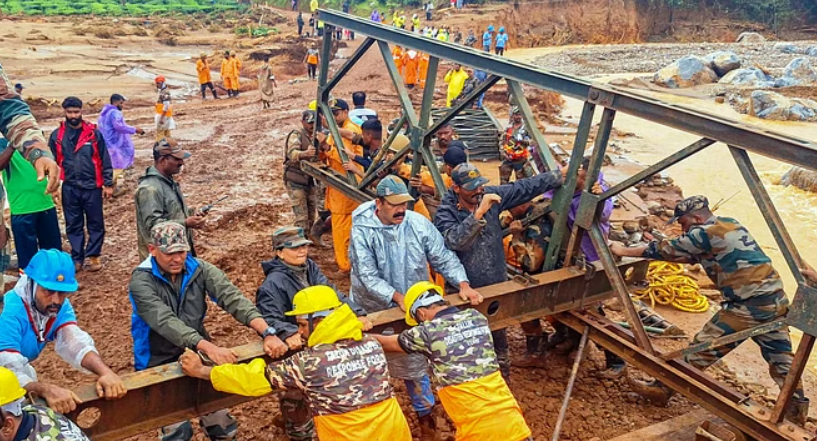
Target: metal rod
[
  {"x": 397, "y": 80},
  {"x": 792, "y": 382},
  {"x": 769, "y": 212},
  {"x": 620, "y": 287},
  {"x": 365, "y": 182},
  {"x": 425, "y": 118},
  {"x": 333, "y": 179},
  {"x": 463, "y": 104},
  {"x": 658, "y": 167},
  {"x": 532, "y": 125},
  {"x": 347, "y": 66},
  {"x": 384, "y": 148},
  {"x": 728, "y": 339},
  {"x": 338, "y": 140},
  {"x": 574, "y": 372},
  {"x": 563, "y": 197},
  {"x": 775, "y": 145}
]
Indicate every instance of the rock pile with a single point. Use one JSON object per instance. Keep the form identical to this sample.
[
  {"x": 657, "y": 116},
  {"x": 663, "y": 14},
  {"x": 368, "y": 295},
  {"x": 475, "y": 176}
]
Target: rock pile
[
  {"x": 771, "y": 105},
  {"x": 692, "y": 71},
  {"x": 750, "y": 38}
]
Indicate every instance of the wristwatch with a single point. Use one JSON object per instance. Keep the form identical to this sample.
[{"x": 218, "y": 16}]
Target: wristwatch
[
  {"x": 268, "y": 332},
  {"x": 34, "y": 155}
]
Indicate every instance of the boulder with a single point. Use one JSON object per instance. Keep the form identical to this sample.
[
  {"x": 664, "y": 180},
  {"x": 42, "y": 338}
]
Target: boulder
[
  {"x": 798, "y": 72},
  {"x": 811, "y": 51},
  {"x": 748, "y": 76},
  {"x": 801, "y": 178},
  {"x": 772, "y": 105},
  {"x": 723, "y": 62},
  {"x": 685, "y": 72},
  {"x": 787, "y": 48},
  {"x": 750, "y": 37}
]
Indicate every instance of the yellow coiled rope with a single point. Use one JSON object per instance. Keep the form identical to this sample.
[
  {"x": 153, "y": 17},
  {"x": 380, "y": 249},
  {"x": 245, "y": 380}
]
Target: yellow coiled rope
[{"x": 669, "y": 286}]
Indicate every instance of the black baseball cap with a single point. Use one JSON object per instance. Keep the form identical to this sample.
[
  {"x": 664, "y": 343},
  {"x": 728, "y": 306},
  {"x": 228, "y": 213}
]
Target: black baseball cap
[
  {"x": 455, "y": 156},
  {"x": 338, "y": 104}
]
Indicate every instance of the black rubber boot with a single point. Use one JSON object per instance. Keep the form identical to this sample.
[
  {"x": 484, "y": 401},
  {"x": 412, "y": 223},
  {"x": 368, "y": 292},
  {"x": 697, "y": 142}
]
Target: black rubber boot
[{"x": 797, "y": 411}]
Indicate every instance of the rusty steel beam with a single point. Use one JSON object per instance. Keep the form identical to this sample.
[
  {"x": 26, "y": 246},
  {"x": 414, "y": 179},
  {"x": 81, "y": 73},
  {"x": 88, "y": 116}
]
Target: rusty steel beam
[
  {"x": 329, "y": 177},
  {"x": 739, "y": 411},
  {"x": 163, "y": 395},
  {"x": 725, "y": 340}
]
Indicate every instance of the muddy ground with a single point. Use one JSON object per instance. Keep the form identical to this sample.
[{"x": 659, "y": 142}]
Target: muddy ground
[{"x": 237, "y": 150}]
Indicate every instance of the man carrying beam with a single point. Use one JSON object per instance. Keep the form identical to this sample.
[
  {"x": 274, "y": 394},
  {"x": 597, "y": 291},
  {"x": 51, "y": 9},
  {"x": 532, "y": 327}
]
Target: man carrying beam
[{"x": 752, "y": 291}]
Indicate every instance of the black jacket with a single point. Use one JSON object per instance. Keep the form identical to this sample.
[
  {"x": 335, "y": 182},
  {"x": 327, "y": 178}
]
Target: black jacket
[
  {"x": 85, "y": 167},
  {"x": 274, "y": 296}
]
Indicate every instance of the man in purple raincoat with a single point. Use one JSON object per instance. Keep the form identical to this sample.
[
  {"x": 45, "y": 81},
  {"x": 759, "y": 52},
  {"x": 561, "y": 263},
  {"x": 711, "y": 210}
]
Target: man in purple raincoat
[{"x": 117, "y": 136}]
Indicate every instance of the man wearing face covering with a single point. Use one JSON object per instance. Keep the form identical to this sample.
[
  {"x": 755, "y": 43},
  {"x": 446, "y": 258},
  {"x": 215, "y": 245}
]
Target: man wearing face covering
[
  {"x": 391, "y": 250},
  {"x": 37, "y": 311},
  {"x": 468, "y": 218},
  {"x": 87, "y": 177}
]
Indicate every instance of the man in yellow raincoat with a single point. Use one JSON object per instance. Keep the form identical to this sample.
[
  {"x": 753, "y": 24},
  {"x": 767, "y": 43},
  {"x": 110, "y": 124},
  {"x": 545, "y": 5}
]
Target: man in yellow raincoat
[
  {"x": 235, "y": 72},
  {"x": 227, "y": 73},
  {"x": 337, "y": 203},
  {"x": 456, "y": 78},
  {"x": 205, "y": 79},
  {"x": 458, "y": 346},
  {"x": 342, "y": 373}
]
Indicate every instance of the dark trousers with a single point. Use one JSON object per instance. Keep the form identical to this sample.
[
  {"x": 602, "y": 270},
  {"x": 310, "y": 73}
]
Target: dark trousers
[
  {"x": 503, "y": 357},
  {"x": 311, "y": 70},
  {"x": 82, "y": 206},
  {"x": 212, "y": 89},
  {"x": 300, "y": 30},
  {"x": 35, "y": 231}
]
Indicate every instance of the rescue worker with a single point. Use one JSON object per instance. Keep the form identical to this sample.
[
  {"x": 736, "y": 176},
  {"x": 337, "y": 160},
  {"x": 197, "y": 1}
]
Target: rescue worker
[
  {"x": 159, "y": 197},
  {"x": 226, "y": 73},
  {"x": 20, "y": 128},
  {"x": 19, "y": 421},
  {"x": 370, "y": 140},
  {"x": 164, "y": 110},
  {"x": 205, "y": 78},
  {"x": 118, "y": 140},
  {"x": 455, "y": 77},
  {"x": 300, "y": 22},
  {"x": 501, "y": 42},
  {"x": 37, "y": 311},
  {"x": 514, "y": 152},
  {"x": 236, "y": 73},
  {"x": 397, "y": 56},
  {"x": 458, "y": 346},
  {"x": 751, "y": 288},
  {"x": 290, "y": 271},
  {"x": 360, "y": 111},
  {"x": 423, "y": 69},
  {"x": 424, "y": 183},
  {"x": 392, "y": 249},
  {"x": 410, "y": 61},
  {"x": 415, "y": 23},
  {"x": 305, "y": 193},
  {"x": 311, "y": 59},
  {"x": 488, "y": 39},
  {"x": 337, "y": 203},
  {"x": 87, "y": 179},
  {"x": 468, "y": 218},
  {"x": 168, "y": 293},
  {"x": 343, "y": 374}
]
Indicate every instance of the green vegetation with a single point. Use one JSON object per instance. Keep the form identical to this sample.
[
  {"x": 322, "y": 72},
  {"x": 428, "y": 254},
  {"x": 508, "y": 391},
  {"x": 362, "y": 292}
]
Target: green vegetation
[
  {"x": 260, "y": 31},
  {"x": 773, "y": 13},
  {"x": 115, "y": 7}
]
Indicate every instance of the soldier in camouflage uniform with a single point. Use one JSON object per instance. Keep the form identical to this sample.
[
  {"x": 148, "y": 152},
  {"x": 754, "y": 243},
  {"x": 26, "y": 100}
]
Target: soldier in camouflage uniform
[
  {"x": 19, "y": 127},
  {"x": 514, "y": 151},
  {"x": 33, "y": 423},
  {"x": 752, "y": 292},
  {"x": 305, "y": 193},
  {"x": 459, "y": 347},
  {"x": 342, "y": 373}
]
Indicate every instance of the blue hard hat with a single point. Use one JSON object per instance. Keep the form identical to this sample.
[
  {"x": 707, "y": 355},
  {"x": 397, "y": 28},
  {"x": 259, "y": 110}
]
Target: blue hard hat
[
  {"x": 53, "y": 270},
  {"x": 502, "y": 29},
  {"x": 491, "y": 27}
]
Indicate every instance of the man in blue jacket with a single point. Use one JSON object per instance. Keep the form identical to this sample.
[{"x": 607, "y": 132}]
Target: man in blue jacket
[
  {"x": 87, "y": 176},
  {"x": 37, "y": 311},
  {"x": 468, "y": 218}
]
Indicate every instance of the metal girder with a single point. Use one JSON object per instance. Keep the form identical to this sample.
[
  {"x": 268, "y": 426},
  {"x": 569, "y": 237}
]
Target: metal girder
[
  {"x": 658, "y": 167},
  {"x": 328, "y": 177},
  {"x": 347, "y": 66},
  {"x": 163, "y": 395},
  {"x": 734, "y": 408},
  {"x": 725, "y": 340},
  {"x": 532, "y": 126},
  {"x": 782, "y": 147},
  {"x": 370, "y": 177},
  {"x": 424, "y": 141},
  {"x": 397, "y": 80},
  {"x": 463, "y": 104}
]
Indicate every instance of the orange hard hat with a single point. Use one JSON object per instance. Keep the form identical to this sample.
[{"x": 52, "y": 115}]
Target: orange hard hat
[{"x": 159, "y": 79}]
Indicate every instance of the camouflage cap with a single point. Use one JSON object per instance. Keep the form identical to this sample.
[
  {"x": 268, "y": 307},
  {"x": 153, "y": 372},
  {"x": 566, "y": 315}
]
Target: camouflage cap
[
  {"x": 688, "y": 205},
  {"x": 169, "y": 237},
  {"x": 289, "y": 237},
  {"x": 468, "y": 177},
  {"x": 169, "y": 146},
  {"x": 394, "y": 190},
  {"x": 308, "y": 116}
]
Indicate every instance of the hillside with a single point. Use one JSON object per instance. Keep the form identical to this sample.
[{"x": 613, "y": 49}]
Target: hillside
[{"x": 113, "y": 7}]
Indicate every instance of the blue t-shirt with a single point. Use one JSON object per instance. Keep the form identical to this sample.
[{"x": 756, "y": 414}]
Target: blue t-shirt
[
  {"x": 501, "y": 40},
  {"x": 486, "y": 39},
  {"x": 18, "y": 334}
]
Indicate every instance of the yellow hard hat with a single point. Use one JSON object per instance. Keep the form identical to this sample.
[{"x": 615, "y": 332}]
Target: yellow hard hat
[
  {"x": 10, "y": 390},
  {"x": 313, "y": 105},
  {"x": 400, "y": 141},
  {"x": 414, "y": 293},
  {"x": 314, "y": 299}
]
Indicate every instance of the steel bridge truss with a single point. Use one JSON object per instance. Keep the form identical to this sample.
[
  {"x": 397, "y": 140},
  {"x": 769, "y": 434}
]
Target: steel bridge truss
[{"x": 162, "y": 395}]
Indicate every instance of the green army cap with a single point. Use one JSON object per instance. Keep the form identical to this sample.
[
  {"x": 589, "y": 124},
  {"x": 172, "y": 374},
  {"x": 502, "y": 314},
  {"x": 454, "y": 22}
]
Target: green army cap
[
  {"x": 169, "y": 237},
  {"x": 688, "y": 205},
  {"x": 468, "y": 177},
  {"x": 289, "y": 237}
]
